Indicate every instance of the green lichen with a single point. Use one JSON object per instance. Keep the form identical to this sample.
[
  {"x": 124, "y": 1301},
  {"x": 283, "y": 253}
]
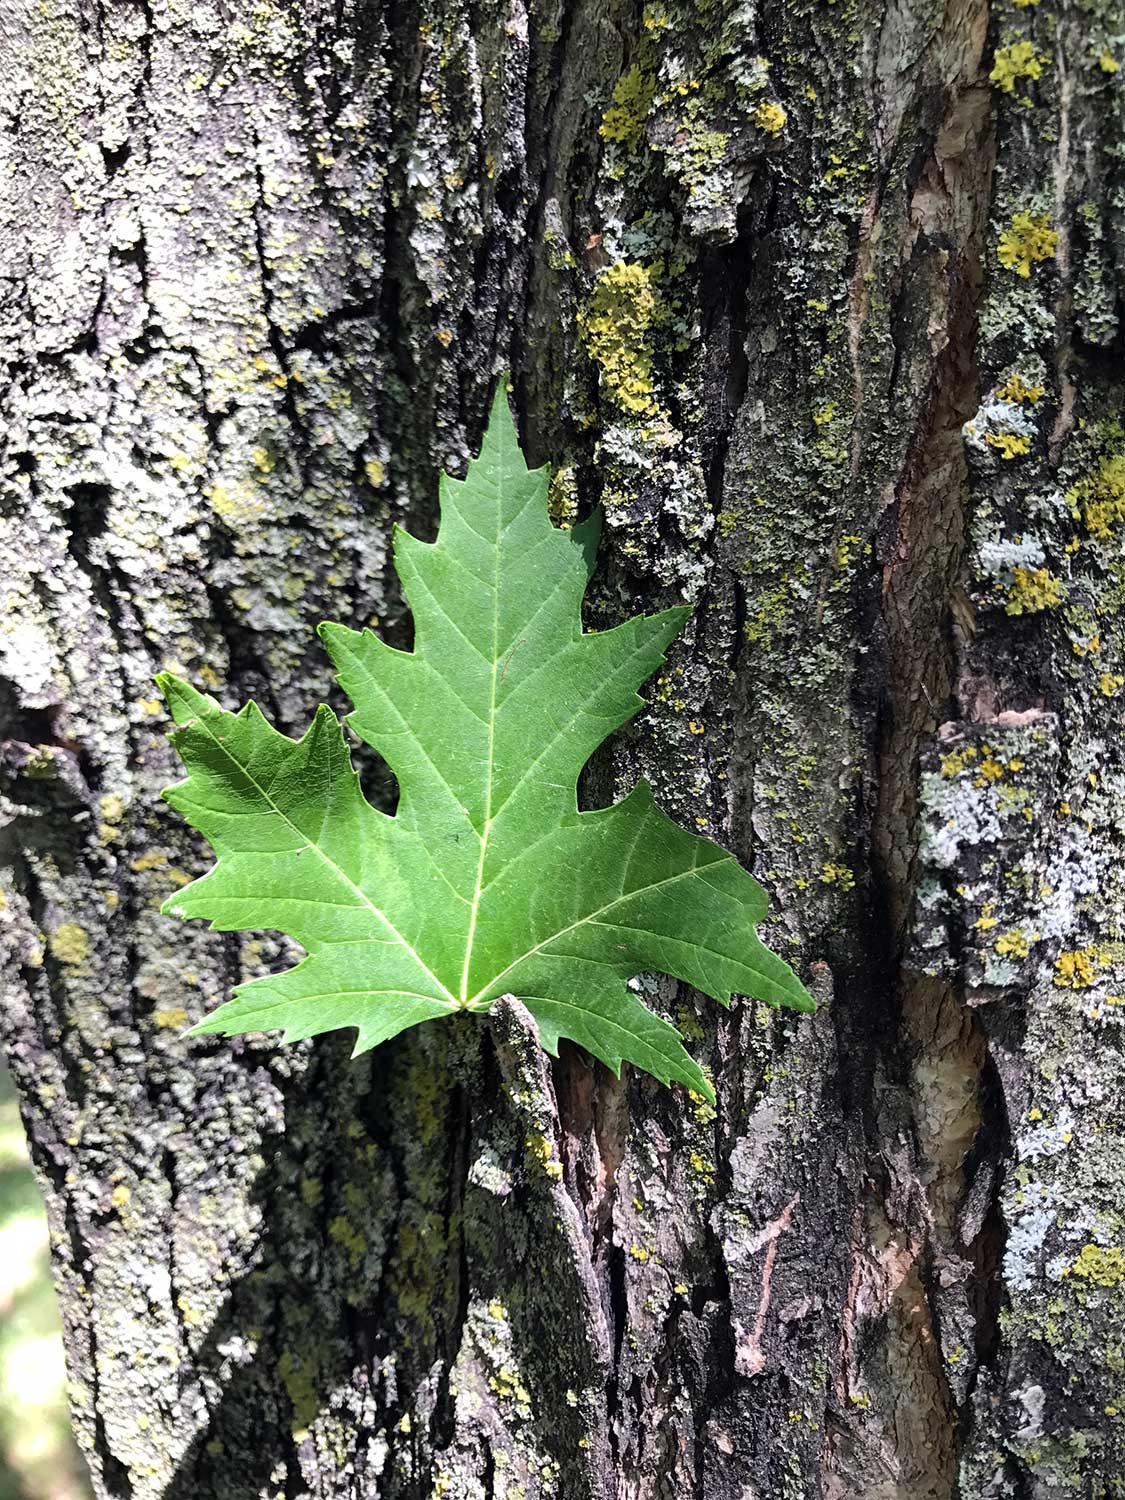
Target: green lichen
[
  {"x": 298, "y": 1378},
  {"x": 350, "y": 1238},
  {"x": 624, "y": 121}
]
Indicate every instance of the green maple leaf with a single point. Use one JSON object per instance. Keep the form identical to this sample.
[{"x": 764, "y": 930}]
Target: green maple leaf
[{"x": 487, "y": 880}]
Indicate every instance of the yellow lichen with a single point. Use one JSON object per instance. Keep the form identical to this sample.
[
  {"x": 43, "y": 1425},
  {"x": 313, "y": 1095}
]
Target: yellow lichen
[
  {"x": 1110, "y": 683},
  {"x": 237, "y": 503},
  {"x": 69, "y": 943},
  {"x": 1108, "y": 63},
  {"x": 1099, "y": 1266},
  {"x": 834, "y": 874},
  {"x": 169, "y": 1020},
  {"x": 1075, "y": 970},
  {"x": 1008, "y": 444},
  {"x": 541, "y": 1149},
  {"x": 1029, "y": 238},
  {"x": 770, "y": 118},
  {"x": 1099, "y": 499},
  {"x": 702, "y": 1167},
  {"x": 155, "y": 859},
  {"x": 191, "y": 1314},
  {"x": 1032, "y": 591},
  {"x": 1010, "y": 64},
  {"x": 615, "y": 328},
  {"x": 1015, "y": 390},
  {"x": 1013, "y": 943},
  {"x": 120, "y": 1196},
  {"x": 955, "y": 763},
  {"x": 112, "y": 807},
  {"x": 507, "y": 1382}
]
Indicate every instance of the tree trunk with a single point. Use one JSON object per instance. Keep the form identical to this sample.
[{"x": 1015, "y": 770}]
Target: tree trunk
[{"x": 752, "y": 271}]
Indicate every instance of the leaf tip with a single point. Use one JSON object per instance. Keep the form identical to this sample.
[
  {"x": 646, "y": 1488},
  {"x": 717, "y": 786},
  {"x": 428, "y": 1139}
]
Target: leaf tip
[
  {"x": 676, "y": 617},
  {"x": 362, "y": 1044},
  {"x": 642, "y": 793},
  {"x": 500, "y": 409}
]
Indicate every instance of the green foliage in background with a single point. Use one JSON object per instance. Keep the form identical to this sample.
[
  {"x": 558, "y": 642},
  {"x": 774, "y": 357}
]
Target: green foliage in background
[
  {"x": 488, "y": 880},
  {"x": 38, "y": 1459}
]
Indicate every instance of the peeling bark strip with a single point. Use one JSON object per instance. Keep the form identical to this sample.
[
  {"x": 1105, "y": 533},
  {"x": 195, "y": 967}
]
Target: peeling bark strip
[
  {"x": 749, "y": 1358},
  {"x": 755, "y": 269}
]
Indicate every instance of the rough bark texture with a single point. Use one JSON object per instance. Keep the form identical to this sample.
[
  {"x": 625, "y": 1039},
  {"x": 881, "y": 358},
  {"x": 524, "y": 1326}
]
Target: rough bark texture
[{"x": 753, "y": 269}]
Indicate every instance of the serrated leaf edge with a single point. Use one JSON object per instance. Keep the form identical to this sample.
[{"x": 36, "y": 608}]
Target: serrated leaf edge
[{"x": 200, "y": 725}]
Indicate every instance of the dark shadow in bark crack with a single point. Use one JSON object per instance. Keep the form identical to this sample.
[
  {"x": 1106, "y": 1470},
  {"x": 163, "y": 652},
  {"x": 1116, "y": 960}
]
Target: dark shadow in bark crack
[
  {"x": 294, "y": 1339},
  {"x": 297, "y": 1337}
]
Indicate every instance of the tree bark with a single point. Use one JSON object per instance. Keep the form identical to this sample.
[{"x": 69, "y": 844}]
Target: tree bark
[{"x": 752, "y": 269}]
